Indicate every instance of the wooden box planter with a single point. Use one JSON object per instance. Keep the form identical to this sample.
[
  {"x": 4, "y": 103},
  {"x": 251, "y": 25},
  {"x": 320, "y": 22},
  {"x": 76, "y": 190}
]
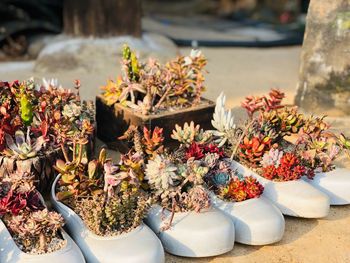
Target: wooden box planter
[{"x": 113, "y": 121}]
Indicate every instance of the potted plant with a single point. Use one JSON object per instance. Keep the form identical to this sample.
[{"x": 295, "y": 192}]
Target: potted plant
[
  {"x": 320, "y": 147},
  {"x": 28, "y": 231},
  {"x": 36, "y": 121},
  {"x": 103, "y": 206},
  {"x": 314, "y": 142},
  {"x": 182, "y": 215},
  {"x": 258, "y": 149},
  {"x": 152, "y": 94},
  {"x": 236, "y": 195}
]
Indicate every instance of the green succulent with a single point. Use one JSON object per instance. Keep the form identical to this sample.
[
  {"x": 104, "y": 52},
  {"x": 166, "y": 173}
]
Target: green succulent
[{"x": 26, "y": 109}]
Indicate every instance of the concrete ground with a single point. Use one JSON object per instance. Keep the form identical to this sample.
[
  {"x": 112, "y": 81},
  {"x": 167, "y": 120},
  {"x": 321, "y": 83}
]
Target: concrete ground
[{"x": 239, "y": 72}]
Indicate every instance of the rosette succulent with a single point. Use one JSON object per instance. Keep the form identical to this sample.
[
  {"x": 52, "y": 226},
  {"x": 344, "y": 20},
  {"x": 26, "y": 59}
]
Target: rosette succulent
[
  {"x": 220, "y": 178},
  {"x": 23, "y": 147},
  {"x": 161, "y": 174}
]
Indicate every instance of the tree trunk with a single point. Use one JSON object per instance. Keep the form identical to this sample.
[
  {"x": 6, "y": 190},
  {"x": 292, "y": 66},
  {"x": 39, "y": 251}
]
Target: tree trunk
[
  {"x": 324, "y": 78},
  {"x": 102, "y": 17}
]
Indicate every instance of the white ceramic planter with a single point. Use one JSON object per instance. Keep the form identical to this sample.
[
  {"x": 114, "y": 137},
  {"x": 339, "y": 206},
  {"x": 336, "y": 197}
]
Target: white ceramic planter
[
  {"x": 294, "y": 198},
  {"x": 336, "y": 184},
  {"x": 204, "y": 234},
  {"x": 257, "y": 221},
  {"x": 139, "y": 245},
  {"x": 10, "y": 253}
]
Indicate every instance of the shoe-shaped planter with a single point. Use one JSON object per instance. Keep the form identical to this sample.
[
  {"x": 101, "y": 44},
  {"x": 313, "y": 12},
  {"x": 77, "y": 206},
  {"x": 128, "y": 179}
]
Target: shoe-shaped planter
[
  {"x": 192, "y": 234},
  {"x": 10, "y": 252},
  {"x": 294, "y": 198},
  {"x": 257, "y": 221},
  {"x": 138, "y": 245},
  {"x": 336, "y": 184}
]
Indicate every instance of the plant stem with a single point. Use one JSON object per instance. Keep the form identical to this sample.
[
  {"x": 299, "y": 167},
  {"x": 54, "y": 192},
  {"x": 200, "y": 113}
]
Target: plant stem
[
  {"x": 64, "y": 153},
  {"x": 240, "y": 139},
  {"x": 162, "y": 98},
  {"x": 42, "y": 241}
]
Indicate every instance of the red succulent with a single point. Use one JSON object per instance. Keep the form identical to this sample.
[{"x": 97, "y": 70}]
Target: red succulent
[
  {"x": 195, "y": 151},
  {"x": 212, "y": 148},
  {"x": 253, "y": 187},
  {"x": 289, "y": 168},
  {"x": 152, "y": 139},
  {"x": 263, "y": 103},
  {"x": 12, "y": 203},
  {"x": 244, "y": 189},
  {"x": 252, "y": 150}
]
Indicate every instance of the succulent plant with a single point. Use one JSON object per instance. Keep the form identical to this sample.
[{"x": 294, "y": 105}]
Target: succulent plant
[
  {"x": 190, "y": 133},
  {"x": 51, "y": 117},
  {"x": 272, "y": 157},
  {"x": 23, "y": 147},
  {"x": 315, "y": 126},
  {"x": 71, "y": 110},
  {"x": 211, "y": 159},
  {"x": 151, "y": 87},
  {"x": 36, "y": 230},
  {"x": 107, "y": 196},
  {"x": 291, "y": 120},
  {"x": 239, "y": 190},
  {"x": 252, "y": 150},
  {"x": 220, "y": 178},
  {"x": 344, "y": 142},
  {"x": 145, "y": 142},
  {"x": 153, "y": 140},
  {"x": 161, "y": 174},
  {"x": 289, "y": 168},
  {"x": 26, "y": 110},
  {"x": 263, "y": 103},
  {"x": 197, "y": 199},
  {"x": 32, "y": 226},
  {"x": 131, "y": 63},
  {"x": 223, "y": 120},
  {"x": 195, "y": 151}
]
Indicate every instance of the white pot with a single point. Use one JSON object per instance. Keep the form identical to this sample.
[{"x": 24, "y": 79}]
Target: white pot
[
  {"x": 294, "y": 198},
  {"x": 10, "y": 252},
  {"x": 257, "y": 221},
  {"x": 336, "y": 184},
  {"x": 204, "y": 234},
  {"x": 138, "y": 245}
]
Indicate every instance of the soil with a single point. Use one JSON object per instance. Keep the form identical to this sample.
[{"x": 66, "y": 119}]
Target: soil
[{"x": 240, "y": 72}]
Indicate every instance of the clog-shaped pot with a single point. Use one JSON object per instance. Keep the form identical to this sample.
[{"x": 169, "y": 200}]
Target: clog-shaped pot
[
  {"x": 257, "y": 221},
  {"x": 336, "y": 184},
  {"x": 192, "y": 234},
  {"x": 294, "y": 198},
  {"x": 138, "y": 245},
  {"x": 10, "y": 252}
]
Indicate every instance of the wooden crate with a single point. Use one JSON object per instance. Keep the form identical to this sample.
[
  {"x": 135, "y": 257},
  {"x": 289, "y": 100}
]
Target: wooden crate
[{"x": 113, "y": 121}]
